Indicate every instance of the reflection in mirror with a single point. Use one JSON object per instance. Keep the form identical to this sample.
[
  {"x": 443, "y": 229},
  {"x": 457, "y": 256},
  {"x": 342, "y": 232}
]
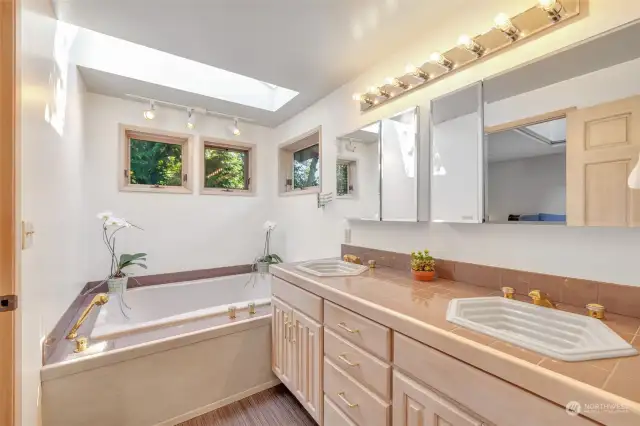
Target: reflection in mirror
[
  {"x": 358, "y": 172},
  {"x": 526, "y": 173},
  {"x": 399, "y": 167}
]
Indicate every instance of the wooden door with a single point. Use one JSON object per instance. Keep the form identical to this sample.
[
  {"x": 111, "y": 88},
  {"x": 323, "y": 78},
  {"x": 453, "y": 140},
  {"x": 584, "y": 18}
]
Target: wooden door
[
  {"x": 8, "y": 176},
  {"x": 416, "y": 405},
  {"x": 603, "y": 143},
  {"x": 281, "y": 342},
  {"x": 307, "y": 376}
]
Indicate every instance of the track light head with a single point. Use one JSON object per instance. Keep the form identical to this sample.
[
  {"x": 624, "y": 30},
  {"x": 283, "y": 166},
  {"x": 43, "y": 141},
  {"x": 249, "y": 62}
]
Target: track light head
[
  {"x": 150, "y": 113},
  {"x": 191, "y": 119}
]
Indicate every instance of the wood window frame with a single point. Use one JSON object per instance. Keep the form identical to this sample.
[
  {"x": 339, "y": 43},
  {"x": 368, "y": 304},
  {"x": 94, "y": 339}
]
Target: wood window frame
[
  {"x": 185, "y": 140},
  {"x": 352, "y": 177},
  {"x": 250, "y": 166},
  {"x": 286, "y": 150},
  {"x": 529, "y": 121}
]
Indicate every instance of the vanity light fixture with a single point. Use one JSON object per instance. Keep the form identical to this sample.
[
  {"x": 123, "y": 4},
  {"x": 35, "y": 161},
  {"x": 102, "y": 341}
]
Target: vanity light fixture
[
  {"x": 416, "y": 72},
  {"x": 469, "y": 44},
  {"x": 438, "y": 58},
  {"x": 553, "y": 9},
  {"x": 397, "y": 82},
  {"x": 150, "y": 113},
  {"x": 191, "y": 119},
  {"x": 504, "y": 24},
  {"x": 379, "y": 91},
  {"x": 362, "y": 98}
]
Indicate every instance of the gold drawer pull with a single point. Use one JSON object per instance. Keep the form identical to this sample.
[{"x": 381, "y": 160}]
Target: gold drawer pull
[
  {"x": 344, "y": 327},
  {"x": 346, "y": 401},
  {"x": 344, "y": 359}
]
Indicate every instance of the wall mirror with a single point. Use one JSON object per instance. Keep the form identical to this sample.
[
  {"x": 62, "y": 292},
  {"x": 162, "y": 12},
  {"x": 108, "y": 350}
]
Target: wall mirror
[
  {"x": 399, "y": 165},
  {"x": 561, "y": 136},
  {"x": 457, "y": 157},
  {"x": 358, "y": 172}
]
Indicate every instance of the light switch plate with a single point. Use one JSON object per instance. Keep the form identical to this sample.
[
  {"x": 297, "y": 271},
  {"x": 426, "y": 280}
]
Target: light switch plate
[{"x": 27, "y": 234}]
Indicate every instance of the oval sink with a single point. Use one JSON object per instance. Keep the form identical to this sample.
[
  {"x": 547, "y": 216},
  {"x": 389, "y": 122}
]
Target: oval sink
[
  {"x": 554, "y": 333},
  {"x": 331, "y": 268}
]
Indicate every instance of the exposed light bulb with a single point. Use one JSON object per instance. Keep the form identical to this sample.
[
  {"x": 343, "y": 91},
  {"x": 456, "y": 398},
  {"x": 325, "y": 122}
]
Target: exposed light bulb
[
  {"x": 552, "y": 7},
  {"x": 467, "y": 43},
  {"x": 393, "y": 81},
  {"x": 150, "y": 114},
  {"x": 357, "y": 97},
  {"x": 373, "y": 90},
  {"x": 416, "y": 72},
  {"x": 410, "y": 69},
  {"x": 547, "y": 4},
  {"x": 236, "y": 129},
  {"x": 438, "y": 58},
  {"x": 464, "y": 40},
  {"x": 504, "y": 24},
  {"x": 191, "y": 120}
]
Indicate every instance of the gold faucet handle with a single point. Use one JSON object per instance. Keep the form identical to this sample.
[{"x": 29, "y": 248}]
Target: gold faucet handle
[
  {"x": 508, "y": 292},
  {"x": 82, "y": 343},
  {"x": 595, "y": 310},
  {"x": 541, "y": 299},
  {"x": 352, "y": 258}
]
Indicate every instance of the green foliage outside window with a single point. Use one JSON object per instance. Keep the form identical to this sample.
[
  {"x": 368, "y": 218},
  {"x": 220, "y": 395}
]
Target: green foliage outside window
[
  {"x": 306, "y": 167},
  {"x": 155, "y": 163},
  {"x": 342, "y": 176},
  {"x": 225, "y": 168}
]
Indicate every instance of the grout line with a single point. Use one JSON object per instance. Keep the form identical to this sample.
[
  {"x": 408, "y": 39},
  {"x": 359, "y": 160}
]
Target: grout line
[{"x": 613, "y": 370}]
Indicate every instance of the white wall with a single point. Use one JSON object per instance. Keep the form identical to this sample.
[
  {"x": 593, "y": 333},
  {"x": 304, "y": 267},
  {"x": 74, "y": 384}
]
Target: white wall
[
  {"x": 310, "y": 232},
  {"x": 181, "y": 231},
  {"x": 526, "y": 186},
  {"x": 52, "y": 270}
]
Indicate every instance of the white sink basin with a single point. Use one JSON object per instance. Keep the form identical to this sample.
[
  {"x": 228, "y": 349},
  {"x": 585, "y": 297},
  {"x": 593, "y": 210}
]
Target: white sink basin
[
  {"x": 556, "y": 334},
  {"x": 331, "y": 268}
]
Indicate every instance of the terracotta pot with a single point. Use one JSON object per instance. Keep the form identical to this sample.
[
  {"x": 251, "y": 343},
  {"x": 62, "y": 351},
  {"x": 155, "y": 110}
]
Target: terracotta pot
[{"x": 423, "y": 275}]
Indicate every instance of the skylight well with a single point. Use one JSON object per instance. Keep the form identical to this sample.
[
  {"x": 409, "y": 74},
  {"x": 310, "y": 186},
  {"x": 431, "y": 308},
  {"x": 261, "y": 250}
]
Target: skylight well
[{"x": 116, "y": 56}]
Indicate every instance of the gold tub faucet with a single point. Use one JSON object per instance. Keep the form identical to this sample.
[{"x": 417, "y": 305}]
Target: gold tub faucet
[
  {"x": 541, "y": 299},
  {"x": 98, "y": 300},
  {"x": 352, "y": 258}
]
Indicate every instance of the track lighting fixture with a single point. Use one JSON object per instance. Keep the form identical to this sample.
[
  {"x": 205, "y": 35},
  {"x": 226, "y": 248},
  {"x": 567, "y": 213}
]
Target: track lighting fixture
[
  {"x": 416, "y": 72},
  {"x": 150, "y": 113},
  {"x": 552, "y": 7},
  {"x": 438, "y": 58},
  {"x": 471, "y": 45},
  {"x": 191, "y": 119},
  {"x": 396, "y": 82},
  {"x": 235, "y": 129},
  {"x": 504, "y": 24}
]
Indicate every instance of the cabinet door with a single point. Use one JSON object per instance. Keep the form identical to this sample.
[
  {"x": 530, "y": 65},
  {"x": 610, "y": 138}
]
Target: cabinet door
[
  {"x": 307, "y": 376},
  {"x": 603, "y": 143},
  {"x": 281, "y": 341},
  {"x": 415, "y": 405}
]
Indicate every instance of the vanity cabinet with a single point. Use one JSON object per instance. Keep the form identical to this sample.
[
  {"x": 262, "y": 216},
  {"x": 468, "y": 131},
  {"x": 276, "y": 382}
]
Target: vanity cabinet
[
  {"x": 281, "y": 345},
  {"x": 416, "y": 405},
  {"x": 307, "y": 376}
]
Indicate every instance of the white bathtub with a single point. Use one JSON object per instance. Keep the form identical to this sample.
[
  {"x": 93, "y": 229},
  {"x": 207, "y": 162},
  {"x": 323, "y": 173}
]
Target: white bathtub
[{"x": 168, "y": 304}]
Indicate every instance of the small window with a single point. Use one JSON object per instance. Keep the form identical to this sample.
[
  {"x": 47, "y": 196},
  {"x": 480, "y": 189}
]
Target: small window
[
  {"x": 227, "y": 168},
  {"x": 345, "y": 178},
  {"x": 300, "y": 163},
  {"x": 155, "y": 162}
]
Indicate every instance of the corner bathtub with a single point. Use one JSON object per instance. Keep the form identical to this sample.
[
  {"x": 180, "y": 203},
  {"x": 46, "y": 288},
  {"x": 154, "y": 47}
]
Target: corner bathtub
[
  {"x": 177, "y": 356},
  {"x": 169, "y": 304}
]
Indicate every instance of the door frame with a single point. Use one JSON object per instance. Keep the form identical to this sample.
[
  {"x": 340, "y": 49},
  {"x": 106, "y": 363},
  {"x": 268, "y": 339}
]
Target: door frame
[{"x": 9, "y": 212}]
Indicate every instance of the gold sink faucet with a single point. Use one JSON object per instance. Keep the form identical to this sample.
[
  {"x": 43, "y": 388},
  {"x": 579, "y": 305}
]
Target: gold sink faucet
[
  {"x": 541, "y": 299},
  {"x": 98, "y": 300},
  {"x": 352, "y": 258}
]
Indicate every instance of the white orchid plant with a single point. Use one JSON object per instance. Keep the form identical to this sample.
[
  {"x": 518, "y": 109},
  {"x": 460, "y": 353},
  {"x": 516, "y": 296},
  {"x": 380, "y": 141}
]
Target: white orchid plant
[
  {"x": 111, "y": 225},
  {"x": 267, "y": 256}
]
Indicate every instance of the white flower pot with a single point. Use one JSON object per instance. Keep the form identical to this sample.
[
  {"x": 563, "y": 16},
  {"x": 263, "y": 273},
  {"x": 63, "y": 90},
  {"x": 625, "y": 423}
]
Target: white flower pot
[
  {"x": 117, "y": 285},
  {"x": 262, "y": 267}
]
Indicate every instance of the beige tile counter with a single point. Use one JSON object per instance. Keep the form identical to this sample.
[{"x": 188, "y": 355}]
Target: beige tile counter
[{"x": 418, "y": 310}]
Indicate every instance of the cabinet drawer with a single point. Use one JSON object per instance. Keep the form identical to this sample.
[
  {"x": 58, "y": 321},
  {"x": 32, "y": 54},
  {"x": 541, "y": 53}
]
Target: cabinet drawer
[
  {"x": 360, "y": 404},
  {"x": 333, "y": 416},
  {"x": 300, "y": 299},
  {"x": 365, "y": 368},
  {"x": 355, "y": 328},
  {"x": 490, "y": 397}
]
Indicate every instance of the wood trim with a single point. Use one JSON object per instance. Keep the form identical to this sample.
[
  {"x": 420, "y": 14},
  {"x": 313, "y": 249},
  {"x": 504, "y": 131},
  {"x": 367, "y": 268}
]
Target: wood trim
[
  {"x": 8, "y": 206},
  {"x": 250, "y": 167},
  {"x": 285, "y": 160},
  {"x": 154, "y": 135},
  {"x": 552, "y": 115}
]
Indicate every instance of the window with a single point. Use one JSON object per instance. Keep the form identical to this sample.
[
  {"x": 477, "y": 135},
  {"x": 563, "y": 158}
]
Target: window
[
  {"x": 227, "y": 167},
  {"x": 155, "y": 162},
  {"x": 345, "y": 178},
  {"x": 300, "y": 162}
]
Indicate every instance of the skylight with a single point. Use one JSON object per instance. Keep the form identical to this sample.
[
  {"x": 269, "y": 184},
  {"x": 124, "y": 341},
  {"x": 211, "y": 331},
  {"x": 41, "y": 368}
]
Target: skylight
[{"x": 116, "y": 56}]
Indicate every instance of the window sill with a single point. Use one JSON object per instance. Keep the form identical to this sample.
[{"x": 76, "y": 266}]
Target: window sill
[
  {"x": 162, "y": 190},
  {"x": 346, "y": 197},
  {"x": 314, "y": 190},
  {"x": 232, "y": 193}
]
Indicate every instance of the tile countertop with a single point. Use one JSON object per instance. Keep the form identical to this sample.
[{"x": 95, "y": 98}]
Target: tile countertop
[{"x": 418, "y": 310}]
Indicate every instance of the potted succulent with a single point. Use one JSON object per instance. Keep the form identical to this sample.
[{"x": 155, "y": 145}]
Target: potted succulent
[
  {"x": 262, "y": 262},
  {"x": 423, "y": 266},
  {"x": 118, "y": 278}
]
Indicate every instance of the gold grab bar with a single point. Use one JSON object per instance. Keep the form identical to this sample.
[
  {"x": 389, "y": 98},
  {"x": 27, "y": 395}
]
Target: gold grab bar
[
  {"x": 99, "y": 300},
  {"x": 344, "y": 327},
  {"x": 346, "y": 401}
]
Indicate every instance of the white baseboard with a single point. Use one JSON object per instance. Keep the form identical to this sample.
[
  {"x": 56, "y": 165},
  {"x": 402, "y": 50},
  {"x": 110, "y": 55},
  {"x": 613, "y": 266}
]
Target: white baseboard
[{"x": 218, "y": 404}]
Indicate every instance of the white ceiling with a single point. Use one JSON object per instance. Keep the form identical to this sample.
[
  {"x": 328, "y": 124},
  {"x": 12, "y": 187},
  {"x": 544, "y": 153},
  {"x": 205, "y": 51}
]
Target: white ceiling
[{"x": 309, "y": 46}]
